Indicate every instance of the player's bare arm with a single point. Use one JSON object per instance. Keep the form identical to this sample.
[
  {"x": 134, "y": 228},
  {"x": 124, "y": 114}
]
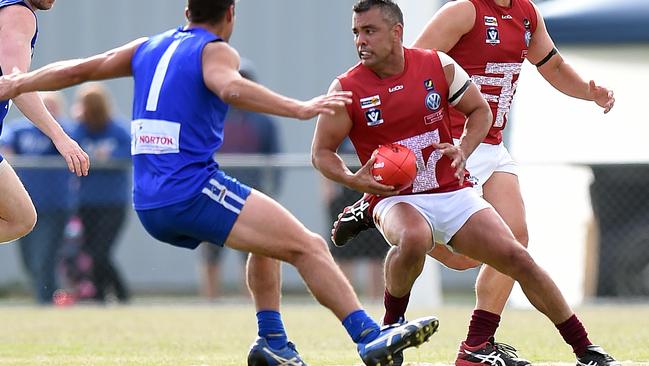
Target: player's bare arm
[
  {"x": 331, "y": 130},
  {"x": 59, "y": 75},
  {"x": 447, "y": 26},
  {"x": 221, "y": 75},
  {"x": 466, "y": 98},
  {"x": 18, "y": 27},
  {"x": 560, "y": 74}
]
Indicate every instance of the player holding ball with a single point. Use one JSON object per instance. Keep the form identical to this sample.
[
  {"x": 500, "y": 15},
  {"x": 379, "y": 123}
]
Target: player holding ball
[{"x": 403, "y": 95}]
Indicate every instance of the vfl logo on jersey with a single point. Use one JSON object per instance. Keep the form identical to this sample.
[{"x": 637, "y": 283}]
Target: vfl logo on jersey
[
  {"x": 373, "y": 117},
  {"x": 370, "y": 102},
  {"x": 395, "y": 88},
  {"x": 490, "y": 21},
  {"x": 428, "y": 84},
  {"x": 492, "y": 35},
  {"x": 433, "y": 101}
]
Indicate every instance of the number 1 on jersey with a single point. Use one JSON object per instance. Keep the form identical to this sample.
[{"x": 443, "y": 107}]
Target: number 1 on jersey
[{"x": 159, "y": 76}]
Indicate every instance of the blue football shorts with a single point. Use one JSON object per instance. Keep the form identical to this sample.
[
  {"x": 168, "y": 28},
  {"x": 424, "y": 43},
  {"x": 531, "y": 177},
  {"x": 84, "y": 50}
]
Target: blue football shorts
[{"x": 207, "y": 217}]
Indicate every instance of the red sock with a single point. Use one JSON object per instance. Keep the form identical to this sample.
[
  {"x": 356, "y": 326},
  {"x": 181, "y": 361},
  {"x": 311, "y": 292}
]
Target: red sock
[
  {"x": 574, "y": 333},
  {"x": 395, "y": 307},
  {"x": 483, "y": 326}
]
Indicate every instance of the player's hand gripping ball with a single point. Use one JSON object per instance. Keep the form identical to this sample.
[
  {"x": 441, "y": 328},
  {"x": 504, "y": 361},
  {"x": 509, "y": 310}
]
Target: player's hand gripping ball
[{"x": 395, "y": 165}]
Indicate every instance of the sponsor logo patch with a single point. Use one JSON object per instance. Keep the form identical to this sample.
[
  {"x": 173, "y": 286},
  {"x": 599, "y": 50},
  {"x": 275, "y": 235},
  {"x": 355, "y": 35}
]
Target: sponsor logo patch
[
  {"x": 433, "y": 101},
  {"x": 370, "y": 102},
  {"x": 528, "y": 32},
  {"x": 395, "y": 88},
  {"x": 154, "y": 137},
  {"x": 490, "y": 21},
  {"x": 434, "y": 117},
  {"x": 428, "y": 84}
]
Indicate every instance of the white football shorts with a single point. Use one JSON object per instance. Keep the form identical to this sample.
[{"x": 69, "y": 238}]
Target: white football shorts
[
  {"x": 486, "y": 160},
  {"x": 446, "y": 212}
]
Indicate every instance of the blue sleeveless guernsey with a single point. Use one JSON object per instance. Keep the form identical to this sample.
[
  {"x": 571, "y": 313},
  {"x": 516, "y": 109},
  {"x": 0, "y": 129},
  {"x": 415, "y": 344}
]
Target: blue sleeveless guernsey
[
  {"x": 4, "y": 105},
  {"x": 177, "y": 121}
]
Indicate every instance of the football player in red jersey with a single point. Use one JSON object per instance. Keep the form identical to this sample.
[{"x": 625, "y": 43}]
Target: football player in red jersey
[
  {"x": 386, "y": 94},
  {"x": 490, "y": 39}
]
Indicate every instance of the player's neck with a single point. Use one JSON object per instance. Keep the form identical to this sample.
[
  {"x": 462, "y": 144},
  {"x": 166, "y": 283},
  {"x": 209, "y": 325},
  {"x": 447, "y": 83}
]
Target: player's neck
[
  {"x": 393, "y": 65},
  {"x": 503, "y": 3},
  {"x": 217, "y": 29},
  {"x": 30, "y": 5}
]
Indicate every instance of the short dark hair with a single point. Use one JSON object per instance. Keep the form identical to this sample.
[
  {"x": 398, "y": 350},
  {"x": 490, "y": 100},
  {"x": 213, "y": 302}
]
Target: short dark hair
[
  {"x": 207, "y": 11},
  {"x": 389, "y": 8}
]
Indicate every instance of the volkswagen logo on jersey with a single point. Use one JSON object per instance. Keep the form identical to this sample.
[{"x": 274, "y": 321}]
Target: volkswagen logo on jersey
[
  {"x": 433, "y": 101},
  {"x": 373, "y": 117},
  {"x": 492, "y": 35}
]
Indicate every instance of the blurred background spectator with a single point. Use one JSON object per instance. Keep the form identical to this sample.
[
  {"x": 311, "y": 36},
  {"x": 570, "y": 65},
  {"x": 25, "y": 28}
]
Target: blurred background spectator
[
  {"x": 49, "y": 188},
  {"x": 362, "y": 258},
  {"x": 103, "y": 197},
  {"x": 247, "y": 133}
]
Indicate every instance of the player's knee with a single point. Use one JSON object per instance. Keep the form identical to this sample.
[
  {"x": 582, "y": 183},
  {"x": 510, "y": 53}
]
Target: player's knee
[
  {"x": 318, "y": 245},
  {"x": 311, "y": 245},
  {"x": 413, "y": 246},
  {"x": 26, "y": 223},
  {"x": 519, "y": 262}
]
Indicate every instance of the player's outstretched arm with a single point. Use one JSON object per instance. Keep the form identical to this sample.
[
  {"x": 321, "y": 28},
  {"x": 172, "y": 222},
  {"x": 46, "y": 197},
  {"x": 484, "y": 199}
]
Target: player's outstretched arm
[
  {"x": 560, "y": 74},
  {"x": 18, "y": 27},
  {"x": 221, "y": 75},
  {"x": 59, "y": 75},
  {"x": 447, "y": 26},
  {"x": 331, "y": 130}
]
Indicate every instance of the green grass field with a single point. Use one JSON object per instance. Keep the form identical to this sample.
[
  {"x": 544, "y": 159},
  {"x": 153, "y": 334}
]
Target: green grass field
[{"x": 219, "y": 335}]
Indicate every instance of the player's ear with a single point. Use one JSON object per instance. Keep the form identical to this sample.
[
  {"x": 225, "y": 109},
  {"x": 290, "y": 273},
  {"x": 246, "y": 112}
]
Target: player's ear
[
  {"x": 187, "y": 13},
  {"x": 230, "y": 13},
  {"x": 397, "y": 30}
]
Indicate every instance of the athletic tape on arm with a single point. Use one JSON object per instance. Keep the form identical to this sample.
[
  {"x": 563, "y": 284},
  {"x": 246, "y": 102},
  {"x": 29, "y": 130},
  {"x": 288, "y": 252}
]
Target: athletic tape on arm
[{"x": 461, "y": 79}]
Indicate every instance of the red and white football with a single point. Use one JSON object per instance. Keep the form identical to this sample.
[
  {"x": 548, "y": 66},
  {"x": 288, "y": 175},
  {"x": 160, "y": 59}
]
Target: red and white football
[{"x": 395, "y": 165}]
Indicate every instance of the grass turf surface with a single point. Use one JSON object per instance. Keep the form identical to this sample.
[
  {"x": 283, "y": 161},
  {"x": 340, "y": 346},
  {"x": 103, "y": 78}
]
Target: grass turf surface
[{"x": 219, "y": 335}]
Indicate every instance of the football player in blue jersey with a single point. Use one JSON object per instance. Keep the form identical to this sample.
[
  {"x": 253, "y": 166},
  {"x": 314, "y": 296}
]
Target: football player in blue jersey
[
  {"x": 18, "y": 32},
  {"x": 184, "y": 80}
]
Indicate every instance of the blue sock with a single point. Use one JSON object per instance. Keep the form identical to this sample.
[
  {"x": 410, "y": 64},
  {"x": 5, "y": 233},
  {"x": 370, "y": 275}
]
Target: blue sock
[
  {"x": 271, "y": 327},
  {"x": 360, "y": 327}
]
